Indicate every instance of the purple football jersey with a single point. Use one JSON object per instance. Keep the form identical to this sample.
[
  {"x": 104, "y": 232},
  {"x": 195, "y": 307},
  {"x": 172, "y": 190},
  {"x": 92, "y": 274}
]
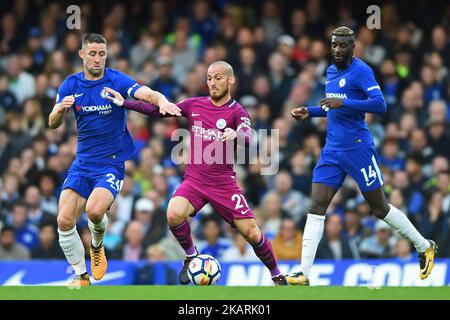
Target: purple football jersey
[{"x": 211, "y": 158}]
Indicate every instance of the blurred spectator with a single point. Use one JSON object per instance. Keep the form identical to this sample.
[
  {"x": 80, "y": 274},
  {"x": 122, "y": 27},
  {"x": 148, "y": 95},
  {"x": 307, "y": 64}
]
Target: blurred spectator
[
  {"x": 214, "y": 244},
  {"x": 203, "y": 21},
  {"x": 143, "y": 50},
  {"x": 438, "y": 137},
  {"x": 392, "y": 84},
  {"x": 287, "y": 245},
  {"x": 22, "y": 83},
  {"x": 26, "y": 233},
  {"x": 152, "y": 219},
  {"x": 132, "y": 248},
  {"x": 416, "y": 179},
  {"x": 34, "y": 47},
  {"x": 36, "y": 215},
  {"x": 165, "y": 83},
  {"x": 172, "y": 249},
  {"x": 8, "y": 101},
  {"x": 353, "y": 230},
  {"x": 43, "y": 96},
  {"x": 373, "y": 53},
  {"x": 271, "y": 21},
  {"x": 9, "y": 248},
  {"x": 239, "y": 251},
  {"x": 22, "y": 139},
  {"x": 293, "y": 202},
  {"x": 301, "y": 174},
  {"x": 390, "y": 156},
  {"x": 150, "y": 273},
  {"x": 433, "y": 220},
  {"x": 403, "y": 250},
  {"x": 419, "y": 145},
  {"x": 380, "y": 245},
  {"x": 48, "y": 180},
  {"x": 9, "y": 191},
  {"x": 280, "y": 81},
  {"x": 185, "y": 55},
  {"x": 271, "y": 214},
  {"x": 334, "y": 245},
  {"x": 247, "y": 71},
  {"x": 10, "y": 40},
  {"x": 48, "y": 248}
]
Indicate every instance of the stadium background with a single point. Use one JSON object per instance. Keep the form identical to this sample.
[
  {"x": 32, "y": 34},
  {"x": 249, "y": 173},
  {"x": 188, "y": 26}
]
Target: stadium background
[{"x": 280, "y": 51}]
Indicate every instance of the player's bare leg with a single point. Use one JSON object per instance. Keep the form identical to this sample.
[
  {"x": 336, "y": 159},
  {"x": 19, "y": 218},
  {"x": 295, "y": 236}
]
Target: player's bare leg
[
  {"x": 427, "y": 249},
  {"x": 262, "y": 247},
  {"x": 71, "y": 205},
  {"x": 98, "y": 203},
  {"x": 178, "y": 211},
  {"x": 321, "y": 195}
]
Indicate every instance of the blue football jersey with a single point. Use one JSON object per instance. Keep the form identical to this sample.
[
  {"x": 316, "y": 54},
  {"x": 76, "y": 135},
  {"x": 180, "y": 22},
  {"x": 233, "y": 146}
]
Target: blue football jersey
[
  {"x": 356, "y": 85},
  {"x": 102, "y": 128}
]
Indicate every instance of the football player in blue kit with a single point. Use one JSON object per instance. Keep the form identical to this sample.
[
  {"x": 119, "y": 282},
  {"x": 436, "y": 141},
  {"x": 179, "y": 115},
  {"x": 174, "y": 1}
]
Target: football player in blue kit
[
  {"x": 104, "y": 144},
  {"x": 351, "y": 91}
]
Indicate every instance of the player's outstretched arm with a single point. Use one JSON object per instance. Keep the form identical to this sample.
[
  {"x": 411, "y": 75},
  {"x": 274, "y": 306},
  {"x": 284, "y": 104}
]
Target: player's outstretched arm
[
  {"x": 55, "y": 119},
  {"x": 375, "y": 102},
  {"x": 136, "y": 105},
  {"x": 303, "y": 113},
  {"x": 158, "y": 99}
]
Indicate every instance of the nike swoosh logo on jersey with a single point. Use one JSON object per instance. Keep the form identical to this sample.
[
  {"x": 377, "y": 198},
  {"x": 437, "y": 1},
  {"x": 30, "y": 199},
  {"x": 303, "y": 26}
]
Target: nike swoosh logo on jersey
[
  {"x": 244, "y": 212},
  {"x": 369, "y": 184},
  {"x": 195, "y": 114},
  {"x": 78, "y": 95}
]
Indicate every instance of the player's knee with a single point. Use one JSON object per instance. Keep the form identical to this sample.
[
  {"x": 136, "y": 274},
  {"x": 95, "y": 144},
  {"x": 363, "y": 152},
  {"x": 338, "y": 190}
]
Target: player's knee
[
  {"x": 318, "y": 207},
  {"x": 65, "y": 223},
  {"x": 175, "y": 217},
  {"x": 94, "y": 214}
]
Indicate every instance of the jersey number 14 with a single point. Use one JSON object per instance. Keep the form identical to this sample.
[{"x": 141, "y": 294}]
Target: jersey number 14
[{"x": 370, "y": 175}]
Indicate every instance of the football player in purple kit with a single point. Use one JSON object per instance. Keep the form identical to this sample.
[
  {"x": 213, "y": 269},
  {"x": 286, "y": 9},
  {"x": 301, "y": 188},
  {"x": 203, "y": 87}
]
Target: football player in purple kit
[{"x": 220, "y": 120}]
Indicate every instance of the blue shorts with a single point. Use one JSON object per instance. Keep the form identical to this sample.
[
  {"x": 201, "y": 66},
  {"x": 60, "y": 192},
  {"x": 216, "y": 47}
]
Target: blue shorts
[
  {"x": 83, "y": 177},
  {"x": 361, "y": 164}
]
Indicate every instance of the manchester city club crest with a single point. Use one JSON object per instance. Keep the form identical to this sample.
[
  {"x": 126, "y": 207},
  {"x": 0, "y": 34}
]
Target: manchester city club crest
[
  {"x": 221, "y": 123},
  {"x": 341, "y": 82}
]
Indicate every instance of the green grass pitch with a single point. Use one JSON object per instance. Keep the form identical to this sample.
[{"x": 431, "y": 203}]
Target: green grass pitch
[{"x": 223, "y": 293}]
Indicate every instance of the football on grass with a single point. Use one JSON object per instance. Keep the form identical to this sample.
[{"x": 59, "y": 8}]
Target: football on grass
[{"x": 204, "y": 270}]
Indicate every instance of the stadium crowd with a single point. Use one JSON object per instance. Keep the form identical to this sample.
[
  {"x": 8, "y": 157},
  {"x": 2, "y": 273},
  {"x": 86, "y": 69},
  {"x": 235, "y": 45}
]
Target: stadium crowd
[{"x": 280, "y": 52}]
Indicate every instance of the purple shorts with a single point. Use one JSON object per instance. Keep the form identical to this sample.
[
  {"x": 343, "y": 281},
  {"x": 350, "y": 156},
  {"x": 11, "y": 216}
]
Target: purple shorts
[{"x": 228, "y": 200}]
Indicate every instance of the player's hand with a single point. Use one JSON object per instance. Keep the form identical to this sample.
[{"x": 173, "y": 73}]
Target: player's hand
[
  {"x": 300, "y": 113},
  {"x": 229, "y": 134},
  {"x": 170, "y": 108},
  {"x": 330, "y": 103},
  {"x": 66, "y": 103},
  {"x": 113, "y": 95}
]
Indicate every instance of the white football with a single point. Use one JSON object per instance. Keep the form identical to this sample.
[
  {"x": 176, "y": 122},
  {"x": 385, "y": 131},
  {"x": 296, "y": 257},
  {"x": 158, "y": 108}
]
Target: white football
[{"x": 204, "y": 270}]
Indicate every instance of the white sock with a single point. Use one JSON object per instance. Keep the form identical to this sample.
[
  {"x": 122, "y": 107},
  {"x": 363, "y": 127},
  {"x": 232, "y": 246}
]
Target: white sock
[
  {"x": 73, "y": 249},
  {"x": 311, "y": 237},
  {"x": 400, "y": 222},
  {"x": 98, "y": 231}
]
